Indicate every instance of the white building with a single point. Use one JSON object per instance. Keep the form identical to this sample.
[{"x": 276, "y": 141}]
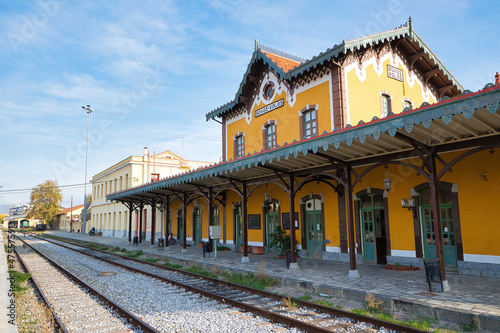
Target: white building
[{"x": 111, "y": 219}]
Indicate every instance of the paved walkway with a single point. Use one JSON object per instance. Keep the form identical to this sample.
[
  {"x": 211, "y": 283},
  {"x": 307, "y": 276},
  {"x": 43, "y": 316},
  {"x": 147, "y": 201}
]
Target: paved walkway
[
  {"x": 8, "y": 321},
  {"x": 402, "y": 290}
]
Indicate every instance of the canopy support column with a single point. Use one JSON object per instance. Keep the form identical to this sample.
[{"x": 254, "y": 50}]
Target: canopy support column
[
  {"x": 141, "y": 207},
  {"x": 437, "y": 220},
  {"x": 245, "y": 257},
  {"x": 291, "y": 195},
  {"x": 353, "y": 272},
  {"x": 166, "y": 209},
  {"x": 210, "y": 212},
  {"x": 153, "y": 222},
  {"x": 184, "y": 222},
  {"x": 131, "y": 207}
]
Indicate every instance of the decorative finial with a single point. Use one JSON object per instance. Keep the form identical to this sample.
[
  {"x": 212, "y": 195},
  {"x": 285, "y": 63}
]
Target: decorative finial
[
  {"x": 410, "y": 23},
  {"x": 256, "y": 45}
]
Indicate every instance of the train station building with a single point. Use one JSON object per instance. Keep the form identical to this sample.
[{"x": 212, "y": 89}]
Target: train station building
[{"x": 370, "y": 152}]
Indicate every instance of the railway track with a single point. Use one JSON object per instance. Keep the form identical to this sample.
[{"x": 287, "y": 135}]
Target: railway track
[
  {"x": 306, "y": 316},
  {"x": 76, "y": 306}
]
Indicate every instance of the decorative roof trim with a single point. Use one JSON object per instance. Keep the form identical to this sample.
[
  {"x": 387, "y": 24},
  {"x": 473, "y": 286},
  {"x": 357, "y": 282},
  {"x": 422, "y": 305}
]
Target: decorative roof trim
[
  {"x": 466, "y": 104},
  {"x": 343, "y": 48},
  {"x": 281, "y": 54},
  {"x": 256, "y": 56}
]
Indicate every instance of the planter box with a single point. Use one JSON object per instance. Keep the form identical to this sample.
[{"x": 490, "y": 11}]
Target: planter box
[
  {"x": 258, "y": 250},
  {"x": 401, "y": 268},
  {"x": 249, "y": 248}
]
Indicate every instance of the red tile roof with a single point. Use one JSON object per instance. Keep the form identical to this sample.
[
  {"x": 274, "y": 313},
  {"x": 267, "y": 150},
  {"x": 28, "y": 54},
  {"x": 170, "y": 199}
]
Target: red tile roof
[
  {"x": 67, "y": 210},
  {"x": 284, "y": 63}
]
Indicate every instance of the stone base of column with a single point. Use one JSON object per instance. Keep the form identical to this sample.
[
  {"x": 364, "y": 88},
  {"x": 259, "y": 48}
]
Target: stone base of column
[
  {"x": 294, "y": 266},
  {"x": 353, "y": 274},
  {"x": 446, "y": 286},
  {"x": 245, "y": 259},
  {"x": 184, "y": 251}
]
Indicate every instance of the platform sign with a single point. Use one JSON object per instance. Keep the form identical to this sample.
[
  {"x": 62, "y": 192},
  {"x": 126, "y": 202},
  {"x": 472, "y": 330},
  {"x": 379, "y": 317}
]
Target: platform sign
[{"x": 215, "y": 231}]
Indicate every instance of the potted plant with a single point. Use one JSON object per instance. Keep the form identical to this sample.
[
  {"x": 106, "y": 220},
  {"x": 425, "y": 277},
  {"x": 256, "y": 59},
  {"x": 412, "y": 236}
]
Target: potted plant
[{"x": 280, "y": 239}]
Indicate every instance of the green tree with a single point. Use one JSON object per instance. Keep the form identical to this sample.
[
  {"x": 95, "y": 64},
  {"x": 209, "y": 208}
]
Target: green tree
[{"x": 44, "y": 202}]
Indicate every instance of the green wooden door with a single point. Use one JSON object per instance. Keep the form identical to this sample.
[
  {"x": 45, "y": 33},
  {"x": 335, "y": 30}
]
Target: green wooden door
[
  {"x": 368, "y": 224},
  {"x": 447, "y": 228},
  {"x": 197, "y": 226},
  {"x": 314, "y": 229},
  {"x": 372, "y": 227},
  {"x": 449, "y": 239},
  {"x": 239, "y": 228},
  {"x": 272, "y": 222}
]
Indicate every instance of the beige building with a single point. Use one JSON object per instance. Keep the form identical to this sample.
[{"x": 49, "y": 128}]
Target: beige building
[
  {"x": 69, "y": 219},
  {"x": 112, "y": 219}
]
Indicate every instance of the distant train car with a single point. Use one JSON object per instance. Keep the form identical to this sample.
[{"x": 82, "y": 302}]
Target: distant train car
[{"x": 41, "y": 226}]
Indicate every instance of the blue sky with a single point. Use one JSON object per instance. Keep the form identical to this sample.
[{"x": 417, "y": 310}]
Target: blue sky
[{"x": 151, "y": 70}]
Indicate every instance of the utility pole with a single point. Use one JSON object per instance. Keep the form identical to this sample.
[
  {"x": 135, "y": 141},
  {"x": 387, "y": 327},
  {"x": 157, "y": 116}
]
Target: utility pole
[
  {"x": 71, "y": 216},
  {"x": 89, "y": 111}
]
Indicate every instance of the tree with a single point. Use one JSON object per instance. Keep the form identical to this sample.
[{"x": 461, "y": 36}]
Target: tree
[{"x": 44, "y": 202}]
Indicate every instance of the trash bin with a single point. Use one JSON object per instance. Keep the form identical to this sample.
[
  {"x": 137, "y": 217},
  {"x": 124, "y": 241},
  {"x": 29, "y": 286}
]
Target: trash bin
[
  {"x": 135, "y": 241},
  {"x": 206, "y": 249},
  {"x": 288, "y": 258},
  {"x": 433, "y": 272},
  {"x": 161, "y": 244}
]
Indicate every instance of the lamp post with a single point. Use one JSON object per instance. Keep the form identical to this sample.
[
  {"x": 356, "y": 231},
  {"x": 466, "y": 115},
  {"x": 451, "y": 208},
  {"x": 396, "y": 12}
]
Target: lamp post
[{"x": 89, "y": 111}]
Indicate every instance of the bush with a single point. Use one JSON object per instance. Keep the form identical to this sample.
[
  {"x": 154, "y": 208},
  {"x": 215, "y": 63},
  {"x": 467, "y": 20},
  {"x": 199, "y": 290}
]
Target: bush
[
  {"x": 152, "y": 260},
  {"x": 175, "y": 266},
  {"x": 136, "y": 254},
  {"x": 19, "y": 277},
  {"x": 280, "y": 239},
  {"x": 249, "y": 280},
  {"x": 198, "y": 270}
]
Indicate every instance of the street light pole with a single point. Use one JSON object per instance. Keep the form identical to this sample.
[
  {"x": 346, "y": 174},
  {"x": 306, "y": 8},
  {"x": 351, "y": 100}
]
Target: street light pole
[{"x": 89, "y": 111}]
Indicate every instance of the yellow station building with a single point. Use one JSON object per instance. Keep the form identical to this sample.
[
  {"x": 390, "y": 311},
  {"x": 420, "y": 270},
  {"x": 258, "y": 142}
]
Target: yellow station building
[{"x": 366, "y": 143}]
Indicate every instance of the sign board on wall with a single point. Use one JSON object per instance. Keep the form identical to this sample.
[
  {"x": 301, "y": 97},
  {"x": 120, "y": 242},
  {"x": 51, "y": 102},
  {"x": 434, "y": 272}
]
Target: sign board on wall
[
  {"x": 285, "y": 218},
  {"x": 395, "y": 73},
  {"x": 269, "y": 108},
  {"x": 254, "y": 221}
]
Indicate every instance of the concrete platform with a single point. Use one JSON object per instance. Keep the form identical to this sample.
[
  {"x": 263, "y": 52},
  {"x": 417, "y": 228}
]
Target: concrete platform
[
  {"x": 402, "y": 290},
  {"x": 8, "y": 322}
]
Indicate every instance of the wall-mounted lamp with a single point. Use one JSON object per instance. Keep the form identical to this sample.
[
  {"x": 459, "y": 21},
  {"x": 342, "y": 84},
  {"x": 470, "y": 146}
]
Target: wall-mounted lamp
[
  {"x": 387, "y": 182},
  {"x": 266, "y": 195},
  {"x": 196, "y": 204},
  {"x": 410, "y": 204}
]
